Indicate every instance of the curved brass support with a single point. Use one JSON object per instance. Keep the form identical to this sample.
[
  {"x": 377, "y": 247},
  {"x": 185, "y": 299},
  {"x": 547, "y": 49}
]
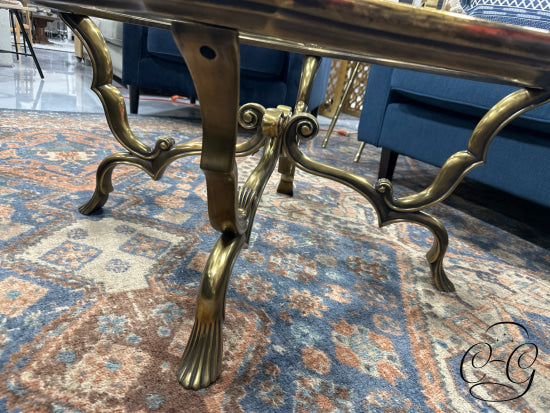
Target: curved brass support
[
  {"x": 460, "y": 163},
  {"x": 154, "y": 168},
  {"x": 111, "y": 98},
  {"x": 152, "y": 160},
  {"x": 202, "y": 359},
  {"x": 212, "y": 56},
  {"x": 305, "y": 126},
  {"x": 287, "y": 169}
]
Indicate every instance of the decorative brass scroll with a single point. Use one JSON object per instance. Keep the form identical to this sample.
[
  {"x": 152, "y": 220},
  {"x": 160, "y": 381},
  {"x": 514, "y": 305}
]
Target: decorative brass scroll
[{"x": 304, "y": 126}]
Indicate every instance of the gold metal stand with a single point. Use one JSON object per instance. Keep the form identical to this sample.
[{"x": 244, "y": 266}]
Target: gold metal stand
[{"x": 211, "y": 53}]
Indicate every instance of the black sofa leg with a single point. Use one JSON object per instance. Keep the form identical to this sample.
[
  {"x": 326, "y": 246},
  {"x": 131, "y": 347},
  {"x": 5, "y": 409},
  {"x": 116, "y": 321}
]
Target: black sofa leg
[
  {"x": 388, "y": 159},
  {"x": 134, "y": 98}
]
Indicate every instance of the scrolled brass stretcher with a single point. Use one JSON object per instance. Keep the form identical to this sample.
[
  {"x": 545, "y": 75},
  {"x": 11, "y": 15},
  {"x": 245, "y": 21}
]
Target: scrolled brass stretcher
[{"x": 208, "y": 33}]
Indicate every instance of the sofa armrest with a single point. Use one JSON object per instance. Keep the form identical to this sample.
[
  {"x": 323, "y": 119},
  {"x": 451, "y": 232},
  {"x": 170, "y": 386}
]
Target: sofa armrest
[{"x": 375, "y": 102}]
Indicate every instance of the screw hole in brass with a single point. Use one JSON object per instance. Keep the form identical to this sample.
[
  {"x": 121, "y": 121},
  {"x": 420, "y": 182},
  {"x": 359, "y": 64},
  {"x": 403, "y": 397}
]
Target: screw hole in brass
[{"x": 208, "y": 52}]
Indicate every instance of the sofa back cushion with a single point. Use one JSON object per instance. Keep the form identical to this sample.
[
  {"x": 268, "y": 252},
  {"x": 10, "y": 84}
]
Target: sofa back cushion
[
  {"x": 255, "y": 61},
  {"x": 463, "y": 96}
]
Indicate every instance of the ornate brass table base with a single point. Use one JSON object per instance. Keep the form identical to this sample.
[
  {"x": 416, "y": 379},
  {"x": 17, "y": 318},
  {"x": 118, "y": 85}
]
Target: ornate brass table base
[{"x": 211, "y": 54}]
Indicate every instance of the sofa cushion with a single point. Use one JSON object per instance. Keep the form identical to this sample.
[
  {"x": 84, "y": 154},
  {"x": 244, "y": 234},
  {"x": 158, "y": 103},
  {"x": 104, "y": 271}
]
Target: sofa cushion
[
  {"x": 461, "y": 95},
  {"x": 534, "y": 13},
  {"x": 516, "y": 161},
  {"x": 260, "y": 61}
]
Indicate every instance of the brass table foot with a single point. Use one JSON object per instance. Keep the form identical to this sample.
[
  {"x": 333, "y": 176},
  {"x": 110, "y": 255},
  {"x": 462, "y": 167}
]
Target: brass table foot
[
  {"x": 201, "y": 361},
  {"x": 287, "y": 170}
]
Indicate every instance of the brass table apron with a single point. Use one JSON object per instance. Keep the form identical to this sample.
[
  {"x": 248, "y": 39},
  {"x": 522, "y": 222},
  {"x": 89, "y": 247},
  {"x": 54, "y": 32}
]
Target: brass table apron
[{"x": 212, "y": 55}]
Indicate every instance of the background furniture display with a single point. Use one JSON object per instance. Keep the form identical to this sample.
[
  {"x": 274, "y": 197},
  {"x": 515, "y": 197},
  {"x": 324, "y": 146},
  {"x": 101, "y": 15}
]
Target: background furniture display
[
  {"x": 269, "y": 77},
  {"x": 26, "y": 25},
  {"x": 40, "y": 21},
  {"x": 428, "y": 117},
  {"x": 16, "y": 20}
]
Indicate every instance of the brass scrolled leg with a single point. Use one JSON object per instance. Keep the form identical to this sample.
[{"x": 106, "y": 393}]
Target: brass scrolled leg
[
  {"x": 310, "y": 67},
  {"x": 212, "y": 56},
  {"x": 391, "y": 209},
  {"x": 202, "y": 359},
  {"x": 116, "y": 115},
  {"x": 305, "y": 126}
]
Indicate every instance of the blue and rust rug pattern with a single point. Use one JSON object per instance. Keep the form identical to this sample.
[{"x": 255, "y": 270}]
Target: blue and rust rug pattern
[{"x": 325, "y": 311}]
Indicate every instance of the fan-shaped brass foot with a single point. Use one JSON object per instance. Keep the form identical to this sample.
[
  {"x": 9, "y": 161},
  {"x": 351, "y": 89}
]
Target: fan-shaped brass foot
[
  {"x": 97, "y": 201},
  {"x": 202, "y": 361}
]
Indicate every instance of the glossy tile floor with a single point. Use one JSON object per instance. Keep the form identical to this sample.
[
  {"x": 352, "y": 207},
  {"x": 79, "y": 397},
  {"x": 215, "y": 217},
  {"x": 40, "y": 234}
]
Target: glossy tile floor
[{"x": 66, "y": 87}]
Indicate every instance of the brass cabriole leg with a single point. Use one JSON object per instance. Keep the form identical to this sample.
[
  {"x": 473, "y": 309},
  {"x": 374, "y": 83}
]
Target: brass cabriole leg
[
  {"x": 152, "y": 160},
  {"x": 310, "y": 67},
  {"x": 392, "y": 209},
  {"x": 202, "y": 359},
  {"x": 212, "y": 56}
]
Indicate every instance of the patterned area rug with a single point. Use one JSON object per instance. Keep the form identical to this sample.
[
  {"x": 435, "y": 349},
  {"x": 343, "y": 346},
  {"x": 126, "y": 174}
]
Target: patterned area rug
[{"x": 325, "y": 311}]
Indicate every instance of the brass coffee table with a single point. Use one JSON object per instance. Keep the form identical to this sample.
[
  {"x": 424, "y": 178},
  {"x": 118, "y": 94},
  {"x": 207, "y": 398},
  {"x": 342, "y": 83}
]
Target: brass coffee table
[{"x": 208, "y": 33}]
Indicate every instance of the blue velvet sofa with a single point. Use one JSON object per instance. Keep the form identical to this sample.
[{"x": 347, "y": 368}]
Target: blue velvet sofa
[
  {"x": 269, "y": 77},
  {"x": 428, "y": 117}
]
